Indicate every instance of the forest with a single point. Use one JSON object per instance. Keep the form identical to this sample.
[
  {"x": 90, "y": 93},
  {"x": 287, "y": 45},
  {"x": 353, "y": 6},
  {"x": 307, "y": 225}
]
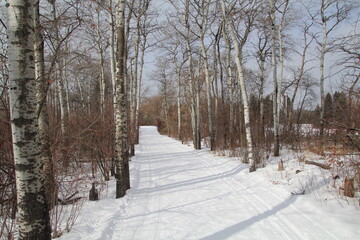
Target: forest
[{"x": 241, "y": 78}]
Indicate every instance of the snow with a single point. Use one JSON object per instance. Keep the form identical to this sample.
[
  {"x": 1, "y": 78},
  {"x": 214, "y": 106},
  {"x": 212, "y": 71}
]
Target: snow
[{"x": 181, "y": 193}]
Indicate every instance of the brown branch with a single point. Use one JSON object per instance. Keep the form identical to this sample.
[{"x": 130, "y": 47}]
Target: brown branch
[
  {"x": 68, "y": 200},
  {"x": 340, "y": 125},
  {"x": 323, "y": 166}
]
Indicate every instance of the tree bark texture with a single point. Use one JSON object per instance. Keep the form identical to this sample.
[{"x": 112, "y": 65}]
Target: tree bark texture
[
  {"x": 43, "y": 117},
  {"x": 239, "y": 65},
  {"x": 195, "y": 96},
  {"x": 322, "y": 77},
  {"x": 204, "y": 12},
  {"x": 121, "y": 122},
  {"x": 230, "y": 84},
  {"x": 275, "y": 80},
  {"x": 33, "y": 212},
  {"x": 64, "y": 114}
]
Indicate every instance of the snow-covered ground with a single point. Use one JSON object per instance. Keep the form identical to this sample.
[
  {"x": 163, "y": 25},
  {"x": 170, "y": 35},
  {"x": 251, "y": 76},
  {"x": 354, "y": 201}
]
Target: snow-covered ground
[{"x": 181, "y": 193}]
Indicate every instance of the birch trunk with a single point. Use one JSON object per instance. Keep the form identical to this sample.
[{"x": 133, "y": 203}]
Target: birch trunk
[
  {"x": 230, "y": 86},
  {"x": 275, "y": 80},
  {"x": 219, "y": 113},
  {"x": 112, "y": 48},
  {"x": 43, "y": 117},
  {"x": 120, "y": 109},
  {"x": 137, "y": 109},
  {"x": 197, "y": 114},
  {"x": 32, "y": 205},
  {"x": 322, "y": 78},
  {"x": 101, "y": 66},
  {"x": 67, "y": 88},
  {"x": 60, "y": 78},
  {"x": 261, "y": 95},
  {"x": 239, "y": 66},
  {"x": 194, "y": 91},
  {"x": 281, "y": 77},
  {"x": 204, "y": 11},
  {"x": 134, "y": 88},
  {"x": 179, "y": 105},
  {"x": 299, "y": 77}
]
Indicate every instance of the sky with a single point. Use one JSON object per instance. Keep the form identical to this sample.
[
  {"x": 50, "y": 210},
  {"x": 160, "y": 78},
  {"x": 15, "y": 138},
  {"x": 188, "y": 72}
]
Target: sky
[
  {"x": 332, "y": 84},
  {"x": 331, "y": 67}
]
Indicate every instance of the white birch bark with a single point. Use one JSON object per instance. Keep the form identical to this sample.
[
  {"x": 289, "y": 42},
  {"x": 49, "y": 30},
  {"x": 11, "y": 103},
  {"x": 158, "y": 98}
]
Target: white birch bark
[
  {"x": 238, "y": 61},
  {"x": 33, "y": 212},
  {"x": 195, "y": 96},
  {"x": 43, "y": 118},
  {"x": 60, "y": 78},
  {"x": 138, "y": 97},
  {"x": 275, "y": 80},
  {"x": 281, "y": 76},
  {"x": 179, "y": 105},
  {"x": 121, "y": 124},
  {"x": 204, "y": 12},
  {"x": 322, "y": 60},
  {"x": 134, "y": 87},
  {"x": 230, "y": 85},
  {"x": 82, "y": 99},
  {"x": 112, "y": 47},
  {"x": 300, "y": 74},
  {"x": 101, "y": 66}
]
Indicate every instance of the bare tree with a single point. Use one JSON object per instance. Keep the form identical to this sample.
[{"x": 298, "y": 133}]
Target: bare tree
[
  {"x": 300, "y": 71},
  {"x": 230, "y": 83},
  {"x": 277, "y": 28},
  {"x": 140, "y": 13},
  {"x": 120, "y": 108},
  {"x": 329, "y": 15},
  {"x": 42, "y": 86},
  {"x": 349, "y": 47},
  {"x": 251, "y": 8},
  {"x": 202, "y": 9}
]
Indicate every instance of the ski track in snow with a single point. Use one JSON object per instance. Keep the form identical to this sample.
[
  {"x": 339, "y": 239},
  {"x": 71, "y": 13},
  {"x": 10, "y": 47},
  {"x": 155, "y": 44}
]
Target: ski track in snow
[{"x": 181, "y": 193}]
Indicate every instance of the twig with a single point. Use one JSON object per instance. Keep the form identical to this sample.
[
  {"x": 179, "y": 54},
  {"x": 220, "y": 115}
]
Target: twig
[
  {"x": 340, "y": 125},
  {"x": 323, "y": 166}
]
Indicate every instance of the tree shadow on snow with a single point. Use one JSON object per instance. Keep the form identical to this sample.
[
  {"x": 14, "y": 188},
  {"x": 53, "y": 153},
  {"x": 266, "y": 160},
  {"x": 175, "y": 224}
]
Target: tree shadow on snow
[
  {"x": 194, "y": 181},
  {"x": 229, "y": 231}
]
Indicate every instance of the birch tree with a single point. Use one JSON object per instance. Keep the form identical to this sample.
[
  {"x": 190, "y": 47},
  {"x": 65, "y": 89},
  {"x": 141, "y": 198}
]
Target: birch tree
[
  {"x": 112, "y": 24},
  {"x": 101, "y": 50},
  {"x": 349, "y": 46},
  {"x": 33, "y": 211},
  {"x": 192, "y": 82},
  {"x": 58, "y": 36},
  {"x": 251, "y": 10},
  {"x": 329, "y": 20},
  {"x": 277, "y": 30},
  {"x": 301, "y": 71},
  {"x": 262, "y": 52},
  {"x": 195, "y": 95},
  {"x": 57, "y": 41},
  {"x": 230, "y": 84},
  {"x": 136, "y": 77},
  {"x": 203, "y": 11},
  {"x": 120, "y": 108},
  {"x": 42, "y": 111}
]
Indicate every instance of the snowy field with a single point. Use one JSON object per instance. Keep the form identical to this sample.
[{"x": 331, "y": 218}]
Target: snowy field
[{"x": 181, "y": 193}]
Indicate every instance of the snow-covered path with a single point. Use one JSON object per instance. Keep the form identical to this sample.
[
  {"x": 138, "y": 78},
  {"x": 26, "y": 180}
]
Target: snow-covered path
[{"x": 181, "y": 193}]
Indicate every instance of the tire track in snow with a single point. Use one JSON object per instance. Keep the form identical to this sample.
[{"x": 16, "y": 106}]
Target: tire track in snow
[{"x": 146, "y": 150}]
